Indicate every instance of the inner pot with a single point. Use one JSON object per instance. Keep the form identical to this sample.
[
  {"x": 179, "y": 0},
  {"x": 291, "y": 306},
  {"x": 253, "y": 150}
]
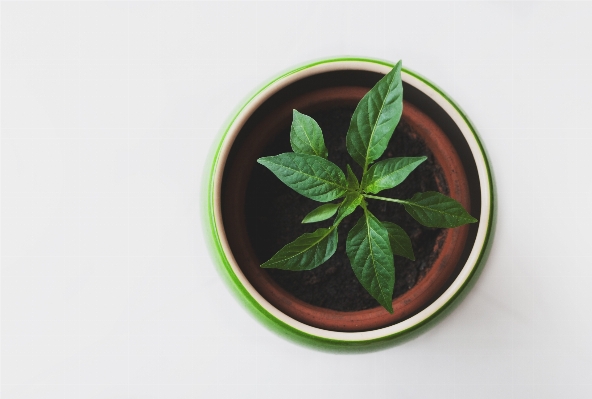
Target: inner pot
[{"x": 441, "y": 253}]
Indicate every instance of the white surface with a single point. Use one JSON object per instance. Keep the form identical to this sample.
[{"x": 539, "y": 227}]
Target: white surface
[{"x": 108, "y": 113}]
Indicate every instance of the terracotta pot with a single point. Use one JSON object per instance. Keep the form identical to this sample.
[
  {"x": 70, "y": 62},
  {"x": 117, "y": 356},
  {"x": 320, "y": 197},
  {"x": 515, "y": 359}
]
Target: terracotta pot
[{"x": 430, "y": 114}]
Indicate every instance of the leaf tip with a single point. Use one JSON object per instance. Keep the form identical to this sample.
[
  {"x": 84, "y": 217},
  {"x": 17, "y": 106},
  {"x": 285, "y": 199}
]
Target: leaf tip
[
  {"x": 265, "y": 265},
  {"x": 266, "y": 161}
]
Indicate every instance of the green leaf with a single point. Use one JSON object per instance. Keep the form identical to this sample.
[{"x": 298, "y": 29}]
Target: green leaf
[
  {"x": 321, "y": 213},
  {"x": 399, "y": 240},
  {"x": 375, "y": 119},
  {"x": 349, "y": 204},
  {"x": 309, "y": 175},
  {"x": 306, "y": 252},
  {"x": 369, "y": 252},
  {"x": 433, "y": 209},
  {"x": 306, "y": 136},
  {"x": 389, "y": 173},
  {"x": 352, "y": 180}
]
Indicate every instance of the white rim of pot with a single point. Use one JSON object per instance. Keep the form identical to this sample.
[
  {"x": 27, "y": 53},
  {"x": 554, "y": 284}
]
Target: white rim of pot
[{"x": 476, "y": 150}]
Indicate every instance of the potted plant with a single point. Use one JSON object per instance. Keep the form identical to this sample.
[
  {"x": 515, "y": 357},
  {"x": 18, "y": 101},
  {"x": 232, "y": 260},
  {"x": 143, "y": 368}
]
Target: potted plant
[{"x": 252, "y": 215}]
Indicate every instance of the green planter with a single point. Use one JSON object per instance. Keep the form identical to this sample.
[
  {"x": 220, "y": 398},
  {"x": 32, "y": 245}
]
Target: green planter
[{"x": 462, "y": 134}]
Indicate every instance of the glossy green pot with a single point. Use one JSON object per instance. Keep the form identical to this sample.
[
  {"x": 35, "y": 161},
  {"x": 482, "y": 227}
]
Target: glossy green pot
[{"x": 467, "y": 142}]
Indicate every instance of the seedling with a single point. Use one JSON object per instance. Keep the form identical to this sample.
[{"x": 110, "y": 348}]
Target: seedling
[{"x": 371, "y": 243}]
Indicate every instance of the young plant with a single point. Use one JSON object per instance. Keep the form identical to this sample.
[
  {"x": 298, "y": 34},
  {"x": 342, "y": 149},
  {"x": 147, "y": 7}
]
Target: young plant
[{"x": 371, "y": 243}]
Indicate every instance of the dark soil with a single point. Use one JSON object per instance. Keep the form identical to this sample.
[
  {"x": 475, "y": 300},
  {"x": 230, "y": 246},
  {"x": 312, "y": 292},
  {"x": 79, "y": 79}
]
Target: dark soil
[{"x": 274, "y": 213}]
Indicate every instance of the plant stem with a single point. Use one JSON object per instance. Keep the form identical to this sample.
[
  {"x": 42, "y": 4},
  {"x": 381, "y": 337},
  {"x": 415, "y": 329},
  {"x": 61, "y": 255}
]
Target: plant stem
[{"x": 385, "y": 199}]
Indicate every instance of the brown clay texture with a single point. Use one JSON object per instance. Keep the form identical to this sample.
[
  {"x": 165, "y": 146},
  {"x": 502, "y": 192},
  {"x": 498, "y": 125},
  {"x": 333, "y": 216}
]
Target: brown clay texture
[{"x": 237, "y": 197}]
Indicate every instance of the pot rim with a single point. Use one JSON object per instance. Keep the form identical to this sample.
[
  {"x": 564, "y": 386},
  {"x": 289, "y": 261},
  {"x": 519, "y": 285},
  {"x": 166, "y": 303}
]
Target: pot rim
[{"x": 273, "y": 317}]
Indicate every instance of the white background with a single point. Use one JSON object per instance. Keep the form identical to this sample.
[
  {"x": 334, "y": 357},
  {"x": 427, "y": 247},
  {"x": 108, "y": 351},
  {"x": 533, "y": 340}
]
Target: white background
[{"x": 109, "y": 111}]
